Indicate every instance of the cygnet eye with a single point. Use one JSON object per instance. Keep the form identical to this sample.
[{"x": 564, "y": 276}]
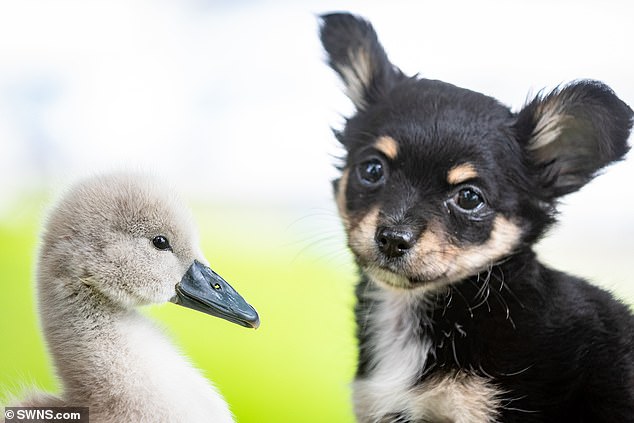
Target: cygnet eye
[{"x": 161, "y": 243}]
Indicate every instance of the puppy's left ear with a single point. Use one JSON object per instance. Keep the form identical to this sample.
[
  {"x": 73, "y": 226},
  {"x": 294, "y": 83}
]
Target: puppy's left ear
[
  {"x": 573, "y": 132},
  {"x": 355, "y": 53}
]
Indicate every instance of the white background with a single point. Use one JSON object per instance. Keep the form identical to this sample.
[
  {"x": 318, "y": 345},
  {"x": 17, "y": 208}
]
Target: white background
[{"x": 232, "y": 99}]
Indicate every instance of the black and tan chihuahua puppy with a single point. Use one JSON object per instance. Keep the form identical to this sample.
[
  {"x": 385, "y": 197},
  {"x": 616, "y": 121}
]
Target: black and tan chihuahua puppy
[{"x": 443, "y": 194}]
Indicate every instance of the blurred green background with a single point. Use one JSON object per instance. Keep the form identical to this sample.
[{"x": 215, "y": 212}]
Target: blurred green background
[
  {"x": 295, "y": 368},
  {"x": 293, "y": 267}
]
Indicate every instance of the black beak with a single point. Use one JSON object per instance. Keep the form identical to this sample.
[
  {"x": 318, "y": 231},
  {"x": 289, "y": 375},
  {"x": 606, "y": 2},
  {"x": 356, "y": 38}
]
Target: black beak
[{"x": 204, "y": 290}]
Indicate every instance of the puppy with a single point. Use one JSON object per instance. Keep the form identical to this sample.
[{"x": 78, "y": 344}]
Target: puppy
[{"x": 443, "y": 194}]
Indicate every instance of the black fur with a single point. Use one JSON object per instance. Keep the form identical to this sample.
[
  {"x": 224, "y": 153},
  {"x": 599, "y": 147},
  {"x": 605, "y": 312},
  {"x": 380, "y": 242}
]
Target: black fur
[{"x": 557, "y": 347}]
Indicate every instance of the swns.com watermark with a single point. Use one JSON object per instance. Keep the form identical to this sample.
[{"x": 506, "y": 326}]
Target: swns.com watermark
[{"x": 46, "y": 415}]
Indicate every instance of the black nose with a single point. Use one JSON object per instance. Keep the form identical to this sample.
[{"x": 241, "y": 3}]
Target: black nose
[{"x": 394, "y": 241}]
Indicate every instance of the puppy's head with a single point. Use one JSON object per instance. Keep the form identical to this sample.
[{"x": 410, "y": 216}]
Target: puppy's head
[{"x": 440, "y": 182}]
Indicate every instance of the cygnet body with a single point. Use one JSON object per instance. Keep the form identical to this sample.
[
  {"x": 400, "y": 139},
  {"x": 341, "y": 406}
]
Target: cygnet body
[{"x": 114, "y": 243}]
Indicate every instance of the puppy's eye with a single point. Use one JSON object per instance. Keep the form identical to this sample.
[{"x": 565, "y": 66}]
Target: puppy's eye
[
  {"x": 469, "y": 199},
  {"x": 371, "y": 172},
  {"x": 161, "y": 243}
]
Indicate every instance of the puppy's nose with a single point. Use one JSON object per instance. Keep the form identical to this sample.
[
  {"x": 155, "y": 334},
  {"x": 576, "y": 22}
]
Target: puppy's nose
[{"x": 394, "y": 241}]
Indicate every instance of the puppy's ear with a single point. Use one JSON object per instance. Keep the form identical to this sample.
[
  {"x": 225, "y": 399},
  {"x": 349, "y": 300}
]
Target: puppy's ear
[
  {"x": 355, "y": 54},
  {"x": 573, "y": 132}
]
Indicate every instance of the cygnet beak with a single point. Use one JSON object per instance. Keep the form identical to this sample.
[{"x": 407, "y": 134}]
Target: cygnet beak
[{"x": 204, "y": 290}]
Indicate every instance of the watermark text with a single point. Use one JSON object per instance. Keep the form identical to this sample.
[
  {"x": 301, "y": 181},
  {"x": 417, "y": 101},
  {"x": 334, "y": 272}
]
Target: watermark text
[{"x": 46, "y": 415}]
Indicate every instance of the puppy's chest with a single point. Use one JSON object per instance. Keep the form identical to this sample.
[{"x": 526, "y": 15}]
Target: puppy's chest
[{"x": 393, "y": 391}]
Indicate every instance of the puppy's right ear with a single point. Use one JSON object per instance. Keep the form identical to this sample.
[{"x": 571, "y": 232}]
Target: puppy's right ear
[
  {"x": 355, "y": 53},
  {"x": 572, "y": 133}
]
